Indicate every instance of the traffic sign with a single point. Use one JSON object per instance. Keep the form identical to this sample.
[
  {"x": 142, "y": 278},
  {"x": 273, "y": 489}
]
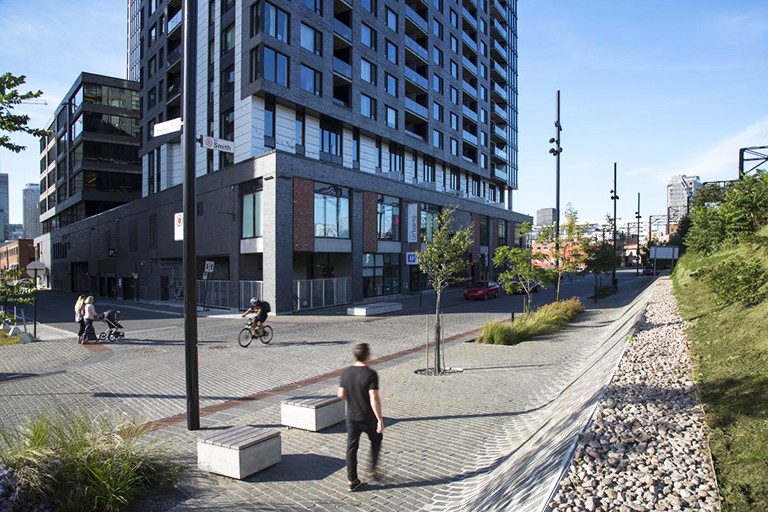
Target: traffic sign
[
  {"x": 410, "y": 258},
  {"x": 166, "y": 127},
  {"x": 226, "y": 146},
  {"x": 178, "y": 226},
  {"x": 209, "y": 267}
]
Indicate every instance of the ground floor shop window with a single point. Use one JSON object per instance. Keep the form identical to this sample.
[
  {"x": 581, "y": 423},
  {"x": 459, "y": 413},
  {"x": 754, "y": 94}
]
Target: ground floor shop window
[{"x": 381, "y": 274}]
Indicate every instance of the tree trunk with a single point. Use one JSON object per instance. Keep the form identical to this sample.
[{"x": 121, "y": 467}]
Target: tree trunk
[{"x": 437, "y": 333}]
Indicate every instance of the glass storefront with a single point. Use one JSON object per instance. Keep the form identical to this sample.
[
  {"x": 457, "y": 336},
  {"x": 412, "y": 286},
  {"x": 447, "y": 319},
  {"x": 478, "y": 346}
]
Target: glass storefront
[{"x": 381, "y": 274}]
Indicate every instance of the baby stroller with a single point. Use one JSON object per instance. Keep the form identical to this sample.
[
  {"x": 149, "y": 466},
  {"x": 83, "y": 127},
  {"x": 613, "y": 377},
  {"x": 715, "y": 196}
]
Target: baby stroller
[{"x": 112, "y": 332}]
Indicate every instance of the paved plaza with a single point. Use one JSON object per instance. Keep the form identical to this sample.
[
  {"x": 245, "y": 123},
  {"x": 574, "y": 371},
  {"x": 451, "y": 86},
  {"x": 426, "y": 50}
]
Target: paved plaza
[{"x": 494, "y": 436}]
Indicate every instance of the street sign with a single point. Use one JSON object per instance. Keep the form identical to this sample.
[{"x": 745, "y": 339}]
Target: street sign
[
  {"x": 226, "y": 146},
  {"x": 178, "y": 226},
  {"x": 166, "y": 127},
  {"x": 410, "y": 258},
  {"x": 33, "y": 267},
  {"x": 208, "y": 267},
  {"x": 205, "y": 276}
]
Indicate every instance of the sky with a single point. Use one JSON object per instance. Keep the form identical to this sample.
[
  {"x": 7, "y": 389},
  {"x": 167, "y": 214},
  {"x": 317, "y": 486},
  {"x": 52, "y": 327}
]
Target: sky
[{"x": 659, "y": 87}]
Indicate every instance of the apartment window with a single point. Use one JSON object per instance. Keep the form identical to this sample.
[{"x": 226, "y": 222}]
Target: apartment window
[
  {"x": 485, "y": 225},
  {"x": 454, "y": 147},
  {"x": 437, "y": 139},
  {"x": 454, "y": 95},
  {"x": 151, "y": 102},
  {"x": 226, "y": 5},
  {"x": 483, "y": 139},
  {"x": 269, "y": 124},
  {"x": 368, "y": 72},
  {"x": 275, "y": 66},
  {"x": 368, "y": 36},
  {"x": 388, "y": 218},
  {"x": 227, "y": 132},
  {"x": 437, "y": 84},
  {"x": 502, "y": 232},
  {"x": 454, "y": 121},
  {"x": 331, "y": 211},
  {"x": 396, "y": 159},
  {"x": 299, "y": 128},
  {"x": 369, "y": 5},
  {"x": 454, "y": 44},
  {"x": 454, "y": 19},
  {"x": 367, "y": 106},
  {"x": 310, "y": 80},
  {"x": 430, "y": 215},
  {"x": 437, "y": 56},
  {"x": 454, "y": 69},
  {"x": 483, "y": 71},
  {"x": 151, "y": 67},
  {"x": 438, "y": 4},
  {"x": 391, "y": 19},
  {"x": 311, "y": 39},
  {"x": 152, "y": 35},
  {"x": 330, "y": 137},
  {"x": 437, "y": 112},
  {"x": 276, "y": 22},
  {"x": 391, "y": 84},
  {"x": 428, "y": 171},
  {"x": 483, "y": 26},
  {"x": 483, "y": 93},
  {"x": 455, "y": 180},
  {"x": 228, "y": 80},
  {"x": 314, "y": 5},
  {"x": 437, "y": 29},
  {"x": 252, "y": 217},
  {"x": 391, "y": 117},
  {"x": 391, "y": 52},
  {"x": 228, "y": 39},
  {"x": 153, "y": 231}
]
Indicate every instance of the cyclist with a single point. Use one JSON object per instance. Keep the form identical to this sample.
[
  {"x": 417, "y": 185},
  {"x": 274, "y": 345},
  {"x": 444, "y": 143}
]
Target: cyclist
[{"x": 257, "y": 307}]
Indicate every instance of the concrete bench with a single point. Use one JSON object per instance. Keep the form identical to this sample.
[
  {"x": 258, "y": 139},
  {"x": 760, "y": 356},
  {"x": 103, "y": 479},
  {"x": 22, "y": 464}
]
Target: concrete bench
[
  {"x": 375, "y": 309},
  {"x": 238, "y": 452},
  {"x": 312, "y": 412}
]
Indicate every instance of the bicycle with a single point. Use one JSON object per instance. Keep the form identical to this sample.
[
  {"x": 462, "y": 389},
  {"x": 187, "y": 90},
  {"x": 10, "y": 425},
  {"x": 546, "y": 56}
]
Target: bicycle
[{"x": 251, "y": 332}]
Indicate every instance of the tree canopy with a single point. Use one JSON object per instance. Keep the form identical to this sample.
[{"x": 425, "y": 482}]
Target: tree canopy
[{"x": 10, "y": 122}]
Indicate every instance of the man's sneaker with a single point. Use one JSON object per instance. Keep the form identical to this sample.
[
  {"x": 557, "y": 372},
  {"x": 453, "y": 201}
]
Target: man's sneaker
[
  {"x": 352, "y": 487},
  {"x": 373, "y": 475}
]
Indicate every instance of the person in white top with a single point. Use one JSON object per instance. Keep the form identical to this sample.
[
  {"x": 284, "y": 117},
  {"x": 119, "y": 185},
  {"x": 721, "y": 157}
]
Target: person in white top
[{"x": 89, "y": 315}]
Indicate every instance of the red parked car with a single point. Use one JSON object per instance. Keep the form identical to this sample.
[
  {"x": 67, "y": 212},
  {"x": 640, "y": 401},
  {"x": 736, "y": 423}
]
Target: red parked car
[{"x": 482, "y": 290}]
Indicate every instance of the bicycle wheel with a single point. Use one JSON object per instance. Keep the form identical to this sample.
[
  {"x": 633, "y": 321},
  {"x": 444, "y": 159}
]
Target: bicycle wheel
[
  {"x": 266, "y": 334},
  {"x": 244, "y": 338}
]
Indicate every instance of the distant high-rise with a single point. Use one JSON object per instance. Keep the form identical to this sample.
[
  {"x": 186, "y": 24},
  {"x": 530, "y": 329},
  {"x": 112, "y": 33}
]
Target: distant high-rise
[
  {"x": 545, "y": 216},
  {"x": 4, "y": 209},
  {"x": 680, "y": 191},
  {"x": 31, "y": 204}
]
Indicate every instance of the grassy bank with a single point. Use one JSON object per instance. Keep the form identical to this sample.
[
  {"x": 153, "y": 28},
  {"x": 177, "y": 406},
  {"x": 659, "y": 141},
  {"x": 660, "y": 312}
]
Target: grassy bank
[
  {"x": 7, "y": 340},
  {"x": 547, "y": 319},
  {"x": 730, "y": 352}
]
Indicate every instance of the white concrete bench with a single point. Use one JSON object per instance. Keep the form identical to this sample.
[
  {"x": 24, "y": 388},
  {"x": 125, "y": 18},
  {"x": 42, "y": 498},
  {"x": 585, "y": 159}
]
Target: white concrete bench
[
  {"x": 238, "y": 452},
  {"x": 312, "y": 412},
  {"x": 375, "y": 309}
]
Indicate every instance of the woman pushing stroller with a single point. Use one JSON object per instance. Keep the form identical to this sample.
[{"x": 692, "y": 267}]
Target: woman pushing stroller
[{"x": 89, "y": 315}]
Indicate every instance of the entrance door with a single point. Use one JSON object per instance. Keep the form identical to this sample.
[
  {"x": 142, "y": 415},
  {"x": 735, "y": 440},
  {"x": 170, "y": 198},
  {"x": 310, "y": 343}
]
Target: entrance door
[{"x": 164, "y": 285}]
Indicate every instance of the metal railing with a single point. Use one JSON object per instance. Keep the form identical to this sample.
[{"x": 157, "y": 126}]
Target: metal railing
[
  {"x": 321, "y": 293},
  {"x": 249, "y": 290},
  {"x": 213, "y": 293}
]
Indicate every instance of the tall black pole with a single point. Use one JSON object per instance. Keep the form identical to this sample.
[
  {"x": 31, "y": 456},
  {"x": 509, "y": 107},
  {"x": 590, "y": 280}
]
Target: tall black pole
[
  {"x": 615, "y": 197},
  {"x": 34, "y": 328},
  {"x": 556, "y": 152},
  {"x": 637, "y": 216},
  {"x": 189, "y": 12}
]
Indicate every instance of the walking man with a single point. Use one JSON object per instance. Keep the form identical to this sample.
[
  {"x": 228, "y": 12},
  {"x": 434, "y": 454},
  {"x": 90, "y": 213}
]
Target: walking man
[{"x": 360, "y": 388}]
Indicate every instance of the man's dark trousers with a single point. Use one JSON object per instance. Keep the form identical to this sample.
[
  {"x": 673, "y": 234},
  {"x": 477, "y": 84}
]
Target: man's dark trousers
[{"x": 354, "y": 430}]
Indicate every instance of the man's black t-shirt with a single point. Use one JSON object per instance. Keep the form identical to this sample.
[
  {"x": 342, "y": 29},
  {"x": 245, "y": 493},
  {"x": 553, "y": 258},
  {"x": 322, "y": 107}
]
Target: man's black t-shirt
[{"x": 357, "y": 381}]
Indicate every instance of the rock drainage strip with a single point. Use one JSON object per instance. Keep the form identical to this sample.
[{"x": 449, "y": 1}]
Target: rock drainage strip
[{"x": 646, "y": 448}]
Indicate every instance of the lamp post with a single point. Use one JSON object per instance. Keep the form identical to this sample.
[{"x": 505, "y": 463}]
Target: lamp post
[
  {"x": 650, "y": 239},
  {"x": 555, "y": 151},
  {"x": 614, "y": 197},
  {"x": 638, "y": 217}
]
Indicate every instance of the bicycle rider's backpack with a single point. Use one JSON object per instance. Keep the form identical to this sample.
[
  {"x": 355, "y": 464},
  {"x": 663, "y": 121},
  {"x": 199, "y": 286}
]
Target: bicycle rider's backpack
[{"x": 266, "y": 306}]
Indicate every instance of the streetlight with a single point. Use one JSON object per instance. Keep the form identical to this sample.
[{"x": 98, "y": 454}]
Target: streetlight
[
  {"x": 614, "y": 197},
  {"x": 650, "y": 239},
  {"x": 555, "y": 151},
  {"x": 637, "y": 252}
]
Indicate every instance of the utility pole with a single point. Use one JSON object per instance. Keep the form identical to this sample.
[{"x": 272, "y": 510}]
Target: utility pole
[
  {"x": 189, "y": 28},
  {"x": 638, "y": 217},
  {"x": 614, "y": 197},
  {"x": 556, "y": 152}
]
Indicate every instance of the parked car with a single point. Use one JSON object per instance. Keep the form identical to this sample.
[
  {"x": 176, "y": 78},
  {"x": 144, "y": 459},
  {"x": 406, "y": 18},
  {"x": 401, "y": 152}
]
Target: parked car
[
  {"x": 482, "y": 290},
  {"x": 648, "y": 271}
]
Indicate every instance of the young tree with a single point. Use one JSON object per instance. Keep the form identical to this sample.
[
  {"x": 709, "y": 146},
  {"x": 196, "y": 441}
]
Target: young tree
[
  {"x": 443, "y": 259},
  {"x": 599, "y": 258},
  {"x": 518, "y": 273},
  {"x": 568, "y": 255},
  {"x": 9, "y": 122},
  {"x": 14, "y": 291}
]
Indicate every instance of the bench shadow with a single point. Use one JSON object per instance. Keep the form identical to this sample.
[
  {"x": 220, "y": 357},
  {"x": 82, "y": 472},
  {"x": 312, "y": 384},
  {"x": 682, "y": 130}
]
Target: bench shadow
[{"x": 300, "y": 467}]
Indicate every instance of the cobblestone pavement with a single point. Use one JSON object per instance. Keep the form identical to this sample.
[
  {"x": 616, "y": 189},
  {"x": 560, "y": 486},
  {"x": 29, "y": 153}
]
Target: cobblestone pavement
[{"x": 495, "y": 436}]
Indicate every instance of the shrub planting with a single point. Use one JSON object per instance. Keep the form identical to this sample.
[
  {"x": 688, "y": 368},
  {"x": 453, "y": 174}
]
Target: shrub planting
[{"x": 547, "y": 319}]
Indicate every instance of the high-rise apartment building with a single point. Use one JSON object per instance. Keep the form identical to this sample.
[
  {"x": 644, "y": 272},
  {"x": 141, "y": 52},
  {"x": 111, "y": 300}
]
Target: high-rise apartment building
[
  {"x": 90, "y": 161},
  {"x": 353, "y": 124},
  {"x": 680, "y": 191},
  {"x": 4, "y": 207},
  {"x": 31, "y": 213},
  {"x": 545, "y": 216}
]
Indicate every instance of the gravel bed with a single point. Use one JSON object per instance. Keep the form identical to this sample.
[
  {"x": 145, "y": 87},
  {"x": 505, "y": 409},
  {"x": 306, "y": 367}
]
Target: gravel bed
[{"x": 646, "y": 448}]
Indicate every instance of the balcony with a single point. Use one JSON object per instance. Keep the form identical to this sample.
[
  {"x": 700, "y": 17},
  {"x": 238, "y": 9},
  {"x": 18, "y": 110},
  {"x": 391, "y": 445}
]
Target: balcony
[
  {"x": 469, "y": 17},
  {"x": 416, "y": 18},
  {"x": 500, "y": 69},
  {"x": 469, "y": 89},
  {"x": 500, "y": 92},
  {"x": 469, "y": 65},
  {"x": 342, "y": 68},
  {"x": 174, "y": 23},
  {"x": 469, "y": 41},
  {"x": 499, "y": 112},
  {"x": 499, "y": 153},
  {"x": 501, "y": 49},
  {"x": 499, "y": 131},
  {"x": 343, "y": 30},
  {"x": 498, "y": 10},
  {"x": 469, "y": 137},
  {"x": 500, "y": 172},
  {"x": 174, "y": 92},
  {"x": 416, "y": 108},
  {"x": 416, "y": 48},
  {"x": 174, "y": 58},
  {"x": 502, "y": 31},
  {"x": 468, "y": 112},
  {"x": 416, "y": 77}
]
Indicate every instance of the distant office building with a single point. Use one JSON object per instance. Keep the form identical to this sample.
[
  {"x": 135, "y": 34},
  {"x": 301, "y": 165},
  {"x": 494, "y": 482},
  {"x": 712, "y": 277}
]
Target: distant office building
[
  {"x": 545, "y": 216},
  {"x": 680, "y": 191},
  {"x": 4, "y": 208},
  {"x": 31, "y": 205},
  {"x": 16, "y": 231},
  {"x": 90, "y": 162}
]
